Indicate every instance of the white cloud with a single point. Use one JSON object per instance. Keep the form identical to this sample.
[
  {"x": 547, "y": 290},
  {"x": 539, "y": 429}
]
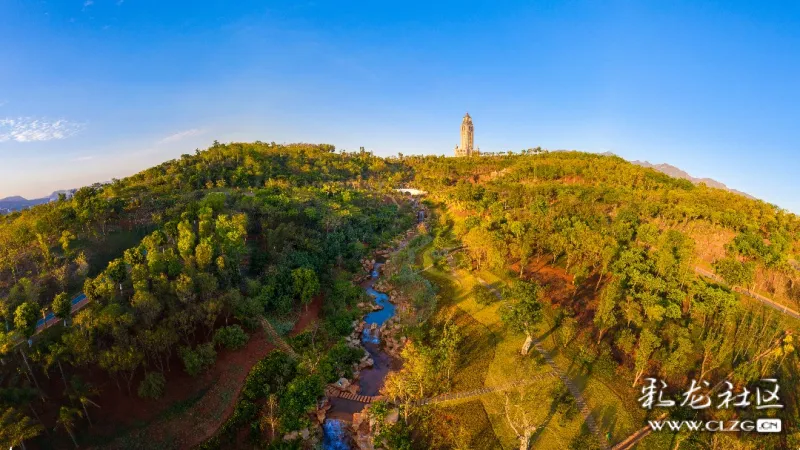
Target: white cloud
[
  {"x": 27, "y": 129},
  {"x": 88, "y": 3},
  {"x": 181, "y": 136}
]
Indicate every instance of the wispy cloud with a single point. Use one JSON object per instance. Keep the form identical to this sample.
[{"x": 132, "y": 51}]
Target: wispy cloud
[
  {"x": 181, "y": 135},
  {"x": 88, "y": 3},
  {"x": 27, "y": 129},
  {"x": 84, "y": 158}
]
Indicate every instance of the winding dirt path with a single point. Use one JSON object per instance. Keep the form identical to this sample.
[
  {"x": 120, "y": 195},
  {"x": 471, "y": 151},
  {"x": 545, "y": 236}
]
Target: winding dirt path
[{"x": 199, "y": 422}]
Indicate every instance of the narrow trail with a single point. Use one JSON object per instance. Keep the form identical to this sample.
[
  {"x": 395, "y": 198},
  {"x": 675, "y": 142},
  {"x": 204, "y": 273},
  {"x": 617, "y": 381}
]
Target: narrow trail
[
  {"x": 637, "y": 436},
  {"x": 276, "y": 338},
  {"x": 573, "y": 389},
  {"x": 474, "y": 393}
]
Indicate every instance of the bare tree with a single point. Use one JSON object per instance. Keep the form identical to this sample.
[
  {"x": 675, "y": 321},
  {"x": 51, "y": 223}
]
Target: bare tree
[{"x": 520, "y": 422}]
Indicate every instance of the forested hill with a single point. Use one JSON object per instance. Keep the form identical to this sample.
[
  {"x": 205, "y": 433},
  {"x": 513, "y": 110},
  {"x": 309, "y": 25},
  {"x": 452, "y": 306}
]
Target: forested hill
[
  {"x": 188, "y": 258},
  {"x": 584, "y": 206},
  {"x": 176, "y": 263},
  {"x": 626, "y": 244}
]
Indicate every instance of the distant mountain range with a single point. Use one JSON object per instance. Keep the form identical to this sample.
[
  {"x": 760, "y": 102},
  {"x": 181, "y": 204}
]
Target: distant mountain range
[
  {"x": 16, "y": 203},
  {"x": 678, "y": 173}
]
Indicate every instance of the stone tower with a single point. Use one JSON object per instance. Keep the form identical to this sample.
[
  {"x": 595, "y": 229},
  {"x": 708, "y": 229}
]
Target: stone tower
[{"x": 467, "y": 138}]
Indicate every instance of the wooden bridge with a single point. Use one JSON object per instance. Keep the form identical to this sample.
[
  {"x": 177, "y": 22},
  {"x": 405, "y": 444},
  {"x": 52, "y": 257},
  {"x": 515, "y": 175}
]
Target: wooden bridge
[{"x": 332, "y": 392}]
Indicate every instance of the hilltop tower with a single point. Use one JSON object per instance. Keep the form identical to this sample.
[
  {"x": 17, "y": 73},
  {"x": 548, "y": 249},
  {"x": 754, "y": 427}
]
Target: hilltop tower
[{"x": 467, "y": 138}]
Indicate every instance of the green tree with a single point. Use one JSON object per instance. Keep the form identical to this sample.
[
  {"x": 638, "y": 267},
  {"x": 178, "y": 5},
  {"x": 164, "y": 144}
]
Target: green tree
[
  {"x": 231, "y": 337},
  {"x": 82, "y": 392},
  {"x": 734, "y": 272},
  {"x": 523, "y": 311},
  {"x": 305, "y": 285},
  {"x": 25, "y": 318},
  {"x": 62, "y": 306},
  {"x": 16, "y": 428},
  {"x": 67, "y": 419},
  {"x": 648, "y": 343},
  {"x": 66, "y": 240},
  {"x": 186, "y": 239},
  {"x": 152, "y": 385}
]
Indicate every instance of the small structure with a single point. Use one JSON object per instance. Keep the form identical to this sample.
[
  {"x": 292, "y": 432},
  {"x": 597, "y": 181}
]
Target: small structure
[{"x": 411, "y": 192}]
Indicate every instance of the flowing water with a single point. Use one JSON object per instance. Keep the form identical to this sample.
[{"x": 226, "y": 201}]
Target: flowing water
[{"x": 336, "y": 433}]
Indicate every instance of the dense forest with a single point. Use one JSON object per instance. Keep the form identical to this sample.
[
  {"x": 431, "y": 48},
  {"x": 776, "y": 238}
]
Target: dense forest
[
  {"x": 175, "y": 263},
  {"x": 194, "y": 256}
]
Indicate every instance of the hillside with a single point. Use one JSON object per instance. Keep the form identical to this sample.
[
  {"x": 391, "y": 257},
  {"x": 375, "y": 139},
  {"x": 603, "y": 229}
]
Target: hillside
[
  {"x": 540, "y": 294},
  {"x": 175, "y": 266},
  {"x": 596, "y": 261}
]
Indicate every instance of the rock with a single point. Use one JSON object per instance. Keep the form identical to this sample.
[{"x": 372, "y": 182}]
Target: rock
[
  {"x": 291, "y": 436},
  {"x": 343, "y": 383},
  {"x": 393, "y": 416},
  {"x": 304, "y": 433},
  {"x": 366, "y": 363},
  {"x": 321, "y": 413}
]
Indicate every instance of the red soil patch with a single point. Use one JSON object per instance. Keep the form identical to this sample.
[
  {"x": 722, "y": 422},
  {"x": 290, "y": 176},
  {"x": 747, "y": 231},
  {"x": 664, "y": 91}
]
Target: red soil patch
[
  {"x": 218, "y": 389},
  {"x": 560, "y": 290}
]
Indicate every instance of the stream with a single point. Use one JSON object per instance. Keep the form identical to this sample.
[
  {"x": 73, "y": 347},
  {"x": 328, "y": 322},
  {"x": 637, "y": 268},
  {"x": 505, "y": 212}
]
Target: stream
[{"x": 336, "y": 428}]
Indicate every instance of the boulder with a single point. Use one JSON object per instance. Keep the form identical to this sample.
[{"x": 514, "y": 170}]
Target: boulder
[
  {"x": 343, "y": 383},
  {"x": 366, "y": 363},
  {"x": 291, "y": 436},
  {"x": 304, "y": 433},
  {"x": 393, "y": 416}
]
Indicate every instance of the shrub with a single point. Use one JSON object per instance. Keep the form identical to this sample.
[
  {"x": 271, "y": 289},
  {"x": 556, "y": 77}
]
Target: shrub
[
  {"x": 298, "y": 399},
  {"x": 152, "y": 386},
  {"x": 483, "y": 295},
  {"x": 199, "y": 359},
  {"x": 340, "y": 323},
  {"x": 231, "y": 337},
  {"x": 339, "y": 362}
]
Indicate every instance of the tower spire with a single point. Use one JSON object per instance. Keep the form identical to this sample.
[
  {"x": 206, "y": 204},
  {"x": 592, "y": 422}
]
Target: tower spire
[{"x": 466, "y": 148}]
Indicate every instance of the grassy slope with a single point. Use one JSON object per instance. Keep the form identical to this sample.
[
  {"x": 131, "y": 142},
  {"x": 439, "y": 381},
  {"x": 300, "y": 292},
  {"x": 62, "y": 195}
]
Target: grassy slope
[{"x": 491, "y": 357}]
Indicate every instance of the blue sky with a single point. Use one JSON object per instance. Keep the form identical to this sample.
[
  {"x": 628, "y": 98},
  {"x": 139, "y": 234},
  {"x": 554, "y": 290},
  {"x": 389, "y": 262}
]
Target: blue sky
[{"x": 94, "y": 89}]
